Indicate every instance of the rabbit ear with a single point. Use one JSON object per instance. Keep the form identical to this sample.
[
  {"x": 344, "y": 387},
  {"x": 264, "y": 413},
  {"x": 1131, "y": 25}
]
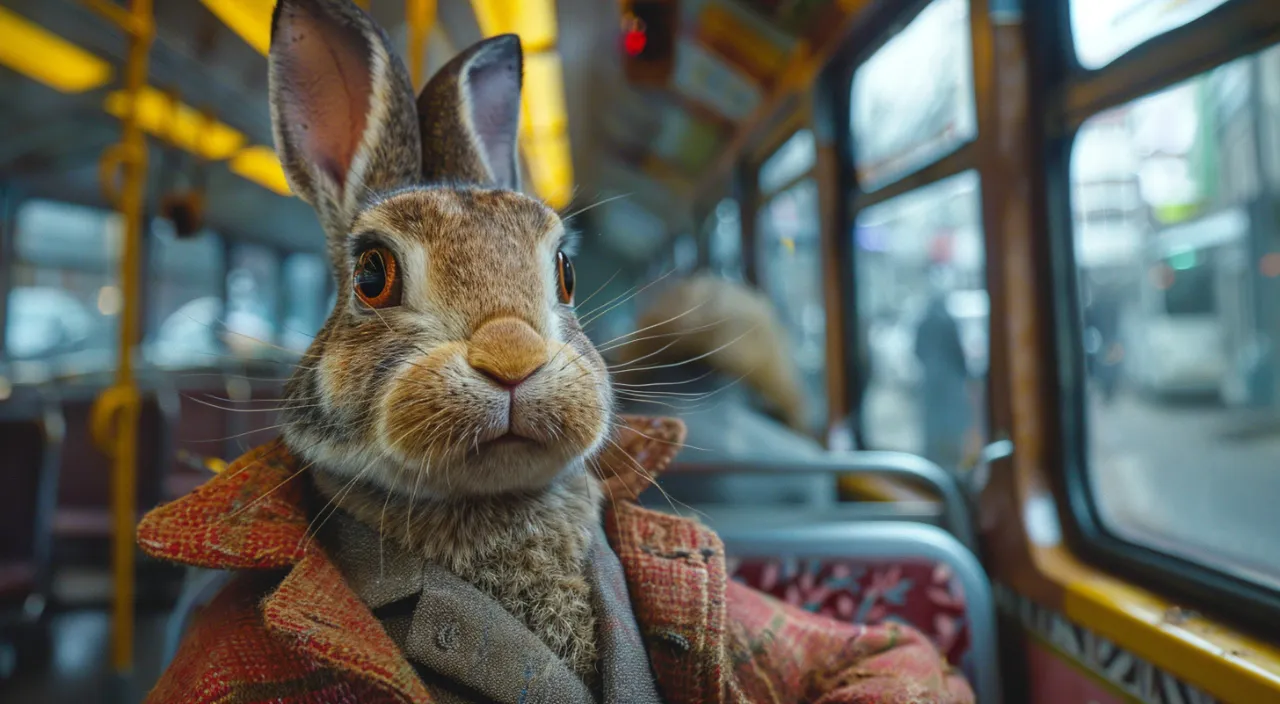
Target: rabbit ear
[
  {"x": 341, "y": 107},
  {"x": 470, "y": 114}
]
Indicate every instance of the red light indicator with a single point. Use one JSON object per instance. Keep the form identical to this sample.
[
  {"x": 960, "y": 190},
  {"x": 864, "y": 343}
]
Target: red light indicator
[{"x": 633, "y": 42}]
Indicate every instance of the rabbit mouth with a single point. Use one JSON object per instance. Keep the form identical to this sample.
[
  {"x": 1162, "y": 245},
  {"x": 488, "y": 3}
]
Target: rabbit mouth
[{"x": 509, "y": 439}]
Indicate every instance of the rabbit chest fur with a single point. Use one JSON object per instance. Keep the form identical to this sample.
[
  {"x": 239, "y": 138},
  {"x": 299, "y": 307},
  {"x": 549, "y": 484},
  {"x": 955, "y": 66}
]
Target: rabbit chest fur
[{"x": 527, "y": 551}]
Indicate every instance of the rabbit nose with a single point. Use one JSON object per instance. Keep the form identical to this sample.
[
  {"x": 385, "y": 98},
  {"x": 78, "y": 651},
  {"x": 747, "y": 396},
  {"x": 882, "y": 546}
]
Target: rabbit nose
[{"x": 506, "y": 350}]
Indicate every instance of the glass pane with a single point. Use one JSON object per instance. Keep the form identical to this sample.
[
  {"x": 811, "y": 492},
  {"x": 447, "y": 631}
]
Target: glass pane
[
  {"x": 923, "y": 308},
  {"x": 790, "y": 266},
  {"x": 64, "y": 305},
  {"x": 1103, "y": 30},
  {"x": 253, "y": 310},
  {"x": 1178, "y": 256},
  {"x": 306, "y": 283},
  {"x": 184, "y": 303},
  {"x": 793, "y": 159},
  {"x": 904, "y": 117},
  {"x": 724, "y": 248}
]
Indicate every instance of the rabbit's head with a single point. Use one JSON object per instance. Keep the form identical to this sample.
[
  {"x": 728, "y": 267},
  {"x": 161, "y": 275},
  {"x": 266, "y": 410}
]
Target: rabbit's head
[{"x": 453, "y": 363}]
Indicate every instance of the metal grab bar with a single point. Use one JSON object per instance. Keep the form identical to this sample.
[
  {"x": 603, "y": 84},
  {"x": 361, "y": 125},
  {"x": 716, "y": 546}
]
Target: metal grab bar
[{"x": 881, "y": 463}]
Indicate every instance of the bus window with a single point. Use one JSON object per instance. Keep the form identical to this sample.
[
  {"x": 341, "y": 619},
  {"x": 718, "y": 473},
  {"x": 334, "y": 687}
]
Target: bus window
[
  {"x": 1180, "y": 298},
  {"x": 724, "y": 240},
  {"x": 921, "y": 295},
  {"x": 903, "y": 118},
  {"x": 253, "y": 313},
  {"x": 184, "y": 298},
  {"x": 1103, "y": 30},
  {"x": 788, "y": 253},
  {"x": 306, "y": 284},
  {"x": 792, "y": 160},
  {"x": 64, "y": 304}
]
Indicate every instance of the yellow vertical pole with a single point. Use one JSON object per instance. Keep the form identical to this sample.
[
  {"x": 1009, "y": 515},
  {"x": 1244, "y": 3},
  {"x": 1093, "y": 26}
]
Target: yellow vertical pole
[
  {"x": 420, "y": 15},
  {"x": 116, "y": 411}
]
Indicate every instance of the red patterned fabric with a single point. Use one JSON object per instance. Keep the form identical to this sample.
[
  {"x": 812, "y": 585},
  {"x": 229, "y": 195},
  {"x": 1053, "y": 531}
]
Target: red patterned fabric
[
  {"x": 920, "y": 593},
  {"x": 289, "y": 628}
]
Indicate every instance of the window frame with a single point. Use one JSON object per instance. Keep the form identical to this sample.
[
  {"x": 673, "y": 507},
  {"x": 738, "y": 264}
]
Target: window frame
[
  {"x": 1233, "y": 30},
  {"x": 794, "y": 115},
  {"x": 836, "y": 83}
]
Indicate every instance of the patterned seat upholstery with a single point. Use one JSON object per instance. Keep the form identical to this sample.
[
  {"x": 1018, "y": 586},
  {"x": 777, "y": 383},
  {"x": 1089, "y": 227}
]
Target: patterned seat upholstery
[
  {"x": 923, "y": 594},
  {"x": 876, "y": 571}
]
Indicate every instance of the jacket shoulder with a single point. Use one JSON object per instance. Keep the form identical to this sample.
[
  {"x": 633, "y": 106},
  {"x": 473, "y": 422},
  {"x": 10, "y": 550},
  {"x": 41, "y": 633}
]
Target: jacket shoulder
[
  {"x": 777, "y": 650},
  {"x": 229, "y": 657}
]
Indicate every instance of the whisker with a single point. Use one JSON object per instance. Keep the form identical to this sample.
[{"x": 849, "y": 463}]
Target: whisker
[
  {"x": 596, "y": 315},
  {"x": 704, "y": 355},
  {"x": 597, "y": 204},
  {"x": 587, "y": 300}
]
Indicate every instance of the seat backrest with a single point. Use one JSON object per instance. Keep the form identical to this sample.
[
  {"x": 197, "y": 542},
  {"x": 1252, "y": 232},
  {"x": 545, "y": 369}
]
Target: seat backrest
[
  {"x": 872, "y": 572},
  {"x": 85, "y": 477},
  {"x": 23, "y": 445},
  {"x": 32, "y": 445}
]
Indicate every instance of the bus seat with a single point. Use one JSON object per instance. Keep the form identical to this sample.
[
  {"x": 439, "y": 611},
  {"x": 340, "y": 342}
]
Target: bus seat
[
  {"x": 951, "y": 511},
  {"x": 32, "y": 443},
  {"x": 875, "y": 572},
  {"x": 84, "y": 486},
  {"x": 732, "y": 430}
]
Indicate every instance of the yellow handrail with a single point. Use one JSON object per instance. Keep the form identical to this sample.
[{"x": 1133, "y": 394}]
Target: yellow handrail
[
  {"x": 115, "y": 412},
  {"x": 420, "y": 15}
]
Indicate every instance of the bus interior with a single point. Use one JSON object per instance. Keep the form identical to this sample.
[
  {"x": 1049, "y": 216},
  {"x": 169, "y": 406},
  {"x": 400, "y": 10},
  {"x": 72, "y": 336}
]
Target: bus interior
[{"x": 970, "y": 308}]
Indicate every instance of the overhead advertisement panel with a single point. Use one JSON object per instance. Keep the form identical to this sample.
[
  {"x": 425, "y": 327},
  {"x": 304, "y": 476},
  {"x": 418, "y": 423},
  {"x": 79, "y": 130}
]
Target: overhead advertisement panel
[{"x": 710, "y": 81}]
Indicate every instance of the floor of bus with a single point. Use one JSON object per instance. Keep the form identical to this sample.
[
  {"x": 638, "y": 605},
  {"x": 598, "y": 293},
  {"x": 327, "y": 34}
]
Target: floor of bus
[{"x": 77, "y": 666}]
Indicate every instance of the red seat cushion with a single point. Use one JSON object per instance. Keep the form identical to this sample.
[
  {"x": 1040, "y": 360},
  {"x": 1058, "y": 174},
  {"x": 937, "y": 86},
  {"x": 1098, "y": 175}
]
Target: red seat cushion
[{"x": 922, "y": 594}]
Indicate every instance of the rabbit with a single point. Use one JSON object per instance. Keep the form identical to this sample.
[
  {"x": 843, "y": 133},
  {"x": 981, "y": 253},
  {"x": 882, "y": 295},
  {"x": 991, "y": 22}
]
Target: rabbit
[{"x": 451, "y": 400}]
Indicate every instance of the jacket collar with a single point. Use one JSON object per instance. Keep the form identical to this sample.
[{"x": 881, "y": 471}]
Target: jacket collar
[{"x": 254, "y": 516}]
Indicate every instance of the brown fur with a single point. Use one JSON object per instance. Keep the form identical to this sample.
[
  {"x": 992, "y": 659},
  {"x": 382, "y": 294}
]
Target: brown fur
[
  {"x": 734, "y": 326},
  {"x": 398, "y": 407}
]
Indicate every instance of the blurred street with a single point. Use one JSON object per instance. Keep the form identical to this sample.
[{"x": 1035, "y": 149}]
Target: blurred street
[{"x": 1197, "y": 475}]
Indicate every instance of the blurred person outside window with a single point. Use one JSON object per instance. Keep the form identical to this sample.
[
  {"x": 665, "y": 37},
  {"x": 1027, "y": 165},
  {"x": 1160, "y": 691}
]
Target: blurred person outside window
[{"x": 945, "y": 394}]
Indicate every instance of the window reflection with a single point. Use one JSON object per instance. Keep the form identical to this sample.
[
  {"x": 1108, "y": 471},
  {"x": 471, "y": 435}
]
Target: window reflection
[
  {"x": 903, "y": 117},
  {"x": 1176, "y": 244},
  {"x": 790, "y": 266},
  {"x": 922, "y": 300}
]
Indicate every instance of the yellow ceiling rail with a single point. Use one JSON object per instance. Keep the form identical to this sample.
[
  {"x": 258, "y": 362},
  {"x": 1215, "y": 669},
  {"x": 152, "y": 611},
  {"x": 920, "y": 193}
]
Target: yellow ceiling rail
[
  {"x": 251, "y": 19},
  {"x": 533, "y": 20},
  {"x": 115, "y": 412},
  {"x": 260, "y": 165},
  {"x": 37, "y": 53},
  {"x": 161, "y": 116},
  {"x": 420, "y": 15}
]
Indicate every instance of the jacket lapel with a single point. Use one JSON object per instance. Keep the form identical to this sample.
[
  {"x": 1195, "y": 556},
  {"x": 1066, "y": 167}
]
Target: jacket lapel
[
  {"x": 315, "y": 611},
  {"x": 676, "y": 573}
]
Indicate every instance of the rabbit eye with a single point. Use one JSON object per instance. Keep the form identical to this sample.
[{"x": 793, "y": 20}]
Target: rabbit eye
[
  {"x": 564, "y": 277},
  {"x": 376, "y": 280}
]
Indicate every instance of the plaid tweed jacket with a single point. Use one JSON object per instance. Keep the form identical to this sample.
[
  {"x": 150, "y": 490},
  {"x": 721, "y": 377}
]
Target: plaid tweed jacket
[{"x": 288, "y": 629}]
